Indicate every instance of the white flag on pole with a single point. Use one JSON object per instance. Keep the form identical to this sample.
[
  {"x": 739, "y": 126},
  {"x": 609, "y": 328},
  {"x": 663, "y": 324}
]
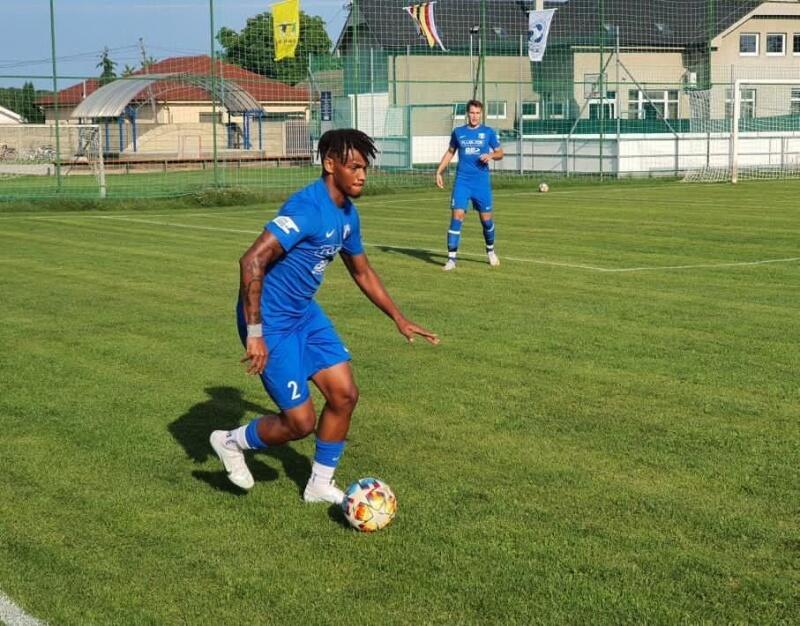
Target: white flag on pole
[{"x": 538, "y": 27}]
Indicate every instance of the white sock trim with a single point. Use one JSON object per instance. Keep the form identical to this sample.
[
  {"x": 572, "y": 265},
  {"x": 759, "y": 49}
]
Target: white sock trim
[
  {"x": 322, "y": 473},
  {"x": 240, "y": 437}
]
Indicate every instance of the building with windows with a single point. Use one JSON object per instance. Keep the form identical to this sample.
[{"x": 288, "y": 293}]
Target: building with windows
[
  {"x": 170, "y": 108},
  {"x": 639, "y": 62}
]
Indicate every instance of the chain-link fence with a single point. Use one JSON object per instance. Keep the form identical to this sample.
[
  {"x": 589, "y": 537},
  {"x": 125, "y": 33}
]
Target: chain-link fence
[{"x": 623, "y": 88}]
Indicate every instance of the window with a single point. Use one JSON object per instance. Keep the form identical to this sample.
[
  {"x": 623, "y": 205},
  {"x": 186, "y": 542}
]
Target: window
[
  {"x": 530, "y": 110},
  {"x": 748, "y": 45},
  {"x": 609, "y": 107},
  {"x": 208, "y": 118},
  {"x": 795, "y": 102},
  {"x": 652, "y": 104},
  {"x": 796, "y": 44},
  {"x": 459, "y": 110},
  {"x": 748, "y": 104},
  {"x": 496, "y": 110},
  {"x": 776, "y": 44}
]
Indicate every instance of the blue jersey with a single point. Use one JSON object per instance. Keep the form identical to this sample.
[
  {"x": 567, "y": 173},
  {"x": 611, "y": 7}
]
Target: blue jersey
[
  {"x": 471, "y": 143},
  {"x": 312, "y": 230}
]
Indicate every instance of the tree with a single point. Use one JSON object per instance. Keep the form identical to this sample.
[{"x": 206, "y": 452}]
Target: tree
[
  {"x": 32, "y": 113},
  {"x": 254, "y": 47},
  {"x": 106, "y": 65},
  {"x": 22, "y": 101}
]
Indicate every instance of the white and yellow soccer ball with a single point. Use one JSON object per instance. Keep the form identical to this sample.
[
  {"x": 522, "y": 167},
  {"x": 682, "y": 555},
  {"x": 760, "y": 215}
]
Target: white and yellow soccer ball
[
  {"x": 369, "y": 504},
  {"x": 544, "y": 187}
]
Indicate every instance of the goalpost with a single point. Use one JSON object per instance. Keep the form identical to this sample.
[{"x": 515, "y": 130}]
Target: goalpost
[
  {"x": 30, "y": 150},
  {"x": 775, "y": 137},
  {"x": 746, "y": 129}
]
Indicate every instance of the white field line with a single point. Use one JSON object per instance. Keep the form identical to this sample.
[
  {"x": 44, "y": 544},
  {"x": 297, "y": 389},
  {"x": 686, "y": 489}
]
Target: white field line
[
  {"x": 582, "y": 266},
  {"x": 12, "y": 615}
]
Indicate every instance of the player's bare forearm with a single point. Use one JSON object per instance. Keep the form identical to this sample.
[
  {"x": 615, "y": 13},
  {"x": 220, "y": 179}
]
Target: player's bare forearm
[
  {"x": 252, "y": 268},
  {"x": 371, "y": 285},
  {"x": 446, "y": 158}
]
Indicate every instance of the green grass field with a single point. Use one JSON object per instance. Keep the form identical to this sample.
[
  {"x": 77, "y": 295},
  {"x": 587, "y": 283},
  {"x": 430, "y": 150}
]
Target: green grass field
[{"x": 607, "y": 433}]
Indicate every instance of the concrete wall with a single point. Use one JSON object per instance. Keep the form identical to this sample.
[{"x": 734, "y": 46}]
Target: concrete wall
[{"x": 632, "y": 154}]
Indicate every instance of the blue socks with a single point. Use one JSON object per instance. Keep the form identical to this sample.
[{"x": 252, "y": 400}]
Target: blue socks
[
  {"x": 454, "y": 235},
  {"x": 251, "y": 435},
  {"x": 328, "y": 453},
  {"x": 488, "y": 233}
]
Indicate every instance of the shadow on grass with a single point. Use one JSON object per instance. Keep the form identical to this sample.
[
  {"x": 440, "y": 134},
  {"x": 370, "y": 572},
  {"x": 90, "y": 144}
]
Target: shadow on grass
[
  {"x": 225, "y": 409},
  {"x": 432, "y": 258}
]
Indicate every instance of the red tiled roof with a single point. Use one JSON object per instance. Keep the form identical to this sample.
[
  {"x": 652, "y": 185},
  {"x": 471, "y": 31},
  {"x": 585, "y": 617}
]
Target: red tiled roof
[{"x": 260, "y": 87}]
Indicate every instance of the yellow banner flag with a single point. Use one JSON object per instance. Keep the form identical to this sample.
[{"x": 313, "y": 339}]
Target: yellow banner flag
[{"x": 286, "y": 27}]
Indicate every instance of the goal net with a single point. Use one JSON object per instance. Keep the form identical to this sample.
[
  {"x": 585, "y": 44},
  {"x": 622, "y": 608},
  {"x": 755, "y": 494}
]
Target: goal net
[{"x": 750, "y": 129}]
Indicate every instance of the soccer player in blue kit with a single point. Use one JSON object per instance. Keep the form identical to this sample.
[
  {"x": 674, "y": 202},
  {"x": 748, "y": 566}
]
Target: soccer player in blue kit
[
  {"x": 476, "y": 145},
  {"x": 288, "y": 338}
]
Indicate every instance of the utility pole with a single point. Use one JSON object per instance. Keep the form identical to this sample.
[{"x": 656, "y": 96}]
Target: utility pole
[{"x": 145, "y": 69}]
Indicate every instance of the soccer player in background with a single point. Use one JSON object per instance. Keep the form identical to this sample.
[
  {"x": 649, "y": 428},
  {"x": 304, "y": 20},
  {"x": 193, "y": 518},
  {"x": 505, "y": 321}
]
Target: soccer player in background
[
  {"x": 288, "y": 338},
  {"x": 476, "y": 144}
]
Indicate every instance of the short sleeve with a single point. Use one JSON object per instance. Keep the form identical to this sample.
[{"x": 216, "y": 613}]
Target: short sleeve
[
  {"x": 453, "y": 141},
  {"x": 296, "y": 221},
  {"x": 494, "y": 141},
  {"x": 351, "y": 242}
]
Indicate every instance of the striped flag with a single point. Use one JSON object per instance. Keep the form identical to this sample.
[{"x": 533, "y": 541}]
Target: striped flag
[{"x": 422, "y": 14}]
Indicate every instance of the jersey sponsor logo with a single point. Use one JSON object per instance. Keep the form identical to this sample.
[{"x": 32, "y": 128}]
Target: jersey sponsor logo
[
  {"x": 327, "y": 251},
  {"x": 472, "y": 150},
  {"x": 286, "y": 224},
  {"x": 319, "y": 268}
]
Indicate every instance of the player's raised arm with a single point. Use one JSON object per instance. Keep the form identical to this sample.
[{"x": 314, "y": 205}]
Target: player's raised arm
[
  {"x": 252, "y": 267},
  {"x": 370, "y": 283}
]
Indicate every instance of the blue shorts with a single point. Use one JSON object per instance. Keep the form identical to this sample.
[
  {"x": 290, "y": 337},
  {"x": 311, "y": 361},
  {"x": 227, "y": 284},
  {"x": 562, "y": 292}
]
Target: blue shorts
[
  {"x": 479, "y": 193},
  {"x": 294, "y": 357}
]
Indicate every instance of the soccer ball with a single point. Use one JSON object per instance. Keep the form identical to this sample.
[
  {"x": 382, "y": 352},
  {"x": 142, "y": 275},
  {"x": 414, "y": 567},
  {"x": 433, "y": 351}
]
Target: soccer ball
[
  {"x": 544, "y": 187},
  {"x": 369, "y": 504}
]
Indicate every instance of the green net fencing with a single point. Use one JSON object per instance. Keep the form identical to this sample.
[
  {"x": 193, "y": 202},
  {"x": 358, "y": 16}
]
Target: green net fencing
[{"x": 575, "y": 88}]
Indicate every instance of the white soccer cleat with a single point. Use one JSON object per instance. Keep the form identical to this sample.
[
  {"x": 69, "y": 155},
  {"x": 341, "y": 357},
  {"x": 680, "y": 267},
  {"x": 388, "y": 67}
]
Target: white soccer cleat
[
  {"x": 232, "y": 458},
  {"x": 449, "y": 266},
  {"x": 494, "y": 260},
  {"x": 317, "y": 491}
]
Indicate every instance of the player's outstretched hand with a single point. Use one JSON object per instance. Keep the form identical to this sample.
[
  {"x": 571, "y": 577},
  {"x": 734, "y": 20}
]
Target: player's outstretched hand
[
  {"x": 409, "y": 329},
  {"x": 256, "y": 355}
]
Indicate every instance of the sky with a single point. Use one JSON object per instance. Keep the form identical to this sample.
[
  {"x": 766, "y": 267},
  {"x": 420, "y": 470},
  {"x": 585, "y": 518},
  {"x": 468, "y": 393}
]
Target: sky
[{"x": 84, "y": 27}]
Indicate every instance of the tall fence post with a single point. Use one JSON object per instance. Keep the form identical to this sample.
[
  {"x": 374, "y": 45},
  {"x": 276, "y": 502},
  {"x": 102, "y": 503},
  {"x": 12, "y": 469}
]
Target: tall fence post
[
  {"x": 55, "y": 94},
  {"x": 213, "y": 95}
]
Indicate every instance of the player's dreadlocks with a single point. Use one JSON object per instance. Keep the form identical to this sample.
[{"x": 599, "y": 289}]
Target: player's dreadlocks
[{"x": 338, "y": 143}]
